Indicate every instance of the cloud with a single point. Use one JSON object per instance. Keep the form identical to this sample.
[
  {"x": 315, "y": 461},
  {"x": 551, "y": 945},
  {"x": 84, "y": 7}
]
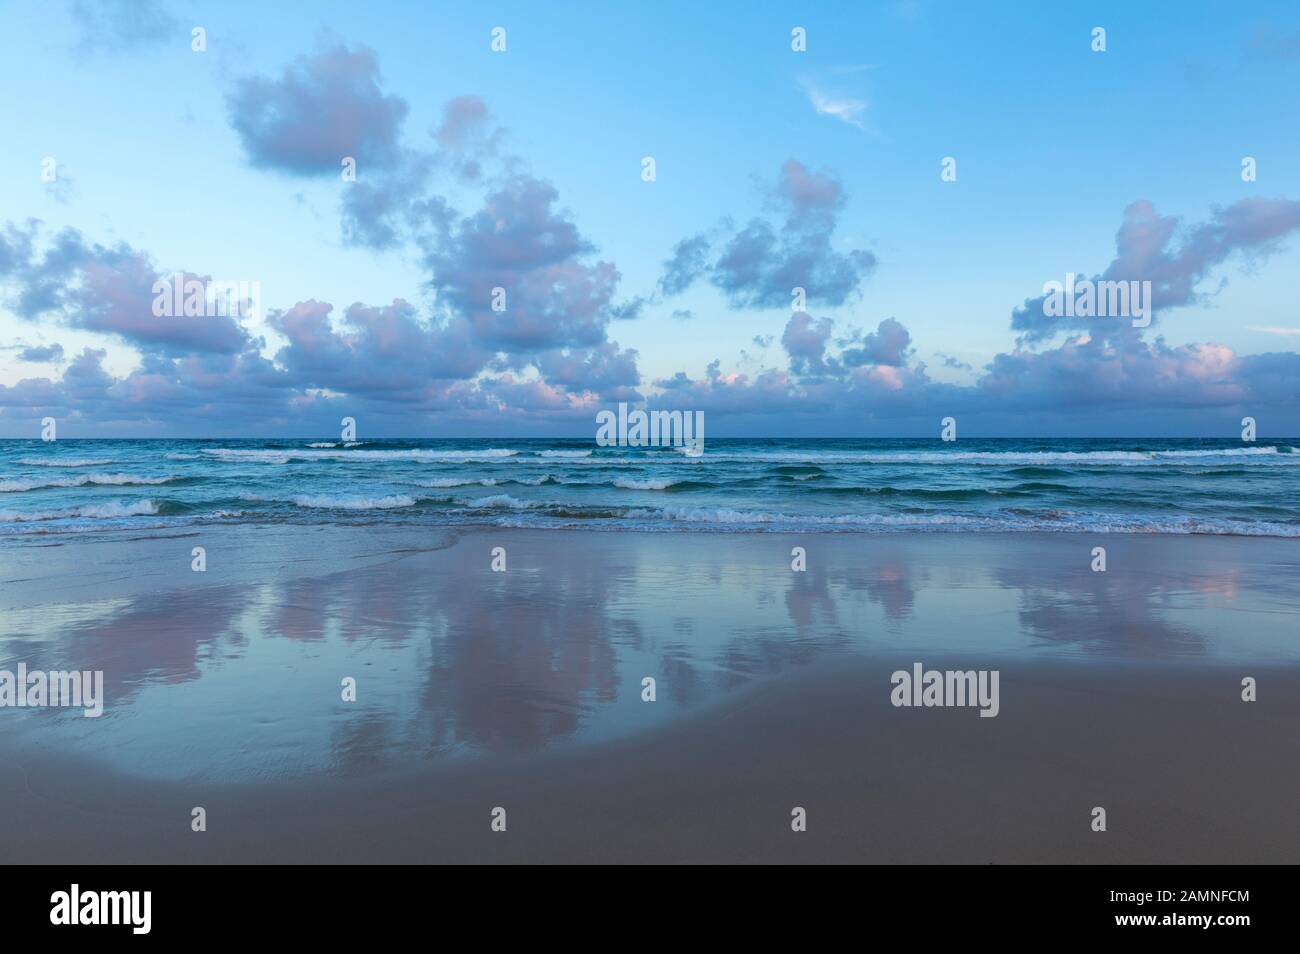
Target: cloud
[
  {"x": 844, "y": 108},
  {"x": 381, "y": 352},
  {"x": 887, "y": 345},
  {"x": 690, "y": 260},
  {"x": 547, "y": 350},
  {"x": 1174, "y": 258},
  {"x": 1269, "y": 42},
  {"x": 323, "y": 107},
  {"x": 120, "y": 24},
  {"x": 41, "y": 353},
  {"x": 804, "y": 340},
  {"x": 551, "y": 296},
  {"x": 376, "y": 210},
  {"x": 104, "y": 289},
  {"x": 834, "y": 382},
  {"x": 390, "y": 207},
  {"x": 757, "y": 266},
  {"x": 467, "y": 138},
  {"x": 606, "y": 370}
]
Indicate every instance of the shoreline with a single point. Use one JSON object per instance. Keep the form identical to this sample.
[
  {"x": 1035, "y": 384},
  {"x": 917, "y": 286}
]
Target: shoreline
[{"x": 523, "y": 689}]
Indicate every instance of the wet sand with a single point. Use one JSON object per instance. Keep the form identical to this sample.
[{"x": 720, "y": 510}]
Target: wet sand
[{"x": 523, "y": 690}]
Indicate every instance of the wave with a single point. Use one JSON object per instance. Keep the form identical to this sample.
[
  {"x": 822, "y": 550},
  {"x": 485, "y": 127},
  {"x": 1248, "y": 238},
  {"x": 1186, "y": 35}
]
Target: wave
[
  {"x": 108, "y": 511},
  {"x": 505, "y": 500},
  {"x": 327, "y": 502},
  {"x": 66, "y": 461},
  {"x": 564, "y": 454},
  {"x": 726, "y": 515},
  {"x": 924, "y": 493},
  {"x": 649, "y": 484},
  {"x": 1267, "y": 451},
  {"x": 443, "y": 483},
  {"x": 1000, "y": 458},
  {"x": 108, "y": 480},
  {"x": 1069, "y": 523},
  {"x": 283, "y": 456}
]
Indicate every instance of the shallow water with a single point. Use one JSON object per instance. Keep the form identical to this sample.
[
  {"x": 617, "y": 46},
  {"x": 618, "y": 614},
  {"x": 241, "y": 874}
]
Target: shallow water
[{"x": 235, "y": 674}]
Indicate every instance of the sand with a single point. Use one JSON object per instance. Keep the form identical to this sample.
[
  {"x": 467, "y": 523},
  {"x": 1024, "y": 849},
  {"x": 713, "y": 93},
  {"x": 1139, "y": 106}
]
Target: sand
[{"x": 522, "y": 690}]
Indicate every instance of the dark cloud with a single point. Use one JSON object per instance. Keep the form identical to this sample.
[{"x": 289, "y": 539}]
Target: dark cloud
[{"x": 322, "y": 108}]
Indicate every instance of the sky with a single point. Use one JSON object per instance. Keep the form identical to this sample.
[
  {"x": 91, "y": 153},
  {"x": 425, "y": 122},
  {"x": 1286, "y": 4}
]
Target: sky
[{"x": 646, "y": 184}]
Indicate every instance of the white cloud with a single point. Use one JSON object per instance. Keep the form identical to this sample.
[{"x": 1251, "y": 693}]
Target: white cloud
[{"x": 844, "y": 108}]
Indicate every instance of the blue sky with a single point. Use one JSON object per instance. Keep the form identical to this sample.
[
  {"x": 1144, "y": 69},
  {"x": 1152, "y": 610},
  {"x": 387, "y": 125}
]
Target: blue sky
[{"x": 221, "y": 163}]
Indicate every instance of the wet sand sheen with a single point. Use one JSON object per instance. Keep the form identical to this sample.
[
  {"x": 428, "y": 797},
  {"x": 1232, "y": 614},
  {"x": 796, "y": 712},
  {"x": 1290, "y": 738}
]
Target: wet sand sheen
[{"x": 522, "y": 690}]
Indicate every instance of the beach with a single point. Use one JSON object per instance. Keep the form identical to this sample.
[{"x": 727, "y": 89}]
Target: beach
[{"x": 523, "y": 689}]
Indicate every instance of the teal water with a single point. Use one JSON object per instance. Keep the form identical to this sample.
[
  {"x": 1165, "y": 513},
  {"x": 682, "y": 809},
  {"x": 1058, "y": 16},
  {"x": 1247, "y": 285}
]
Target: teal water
[{"x": 1139, "y": 486}]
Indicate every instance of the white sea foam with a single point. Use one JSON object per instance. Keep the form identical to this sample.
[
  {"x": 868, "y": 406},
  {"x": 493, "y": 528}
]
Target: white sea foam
[
  {"x": 107, "y": 511},
  {"x": 444, "y": 482},
  {"x": 65, "y": 461},
  {"x": 110, "y": 480},
  {"x": 629, "y": 484},
  {"x": 327, "y": 502},
  {"x": 726, "y": 515},
  {"x": 1002, "y": 458},
  {"x": 502, "y": 500},
  {"x": 280, "y": 456},
  {"x": 1063, "y": 522}
]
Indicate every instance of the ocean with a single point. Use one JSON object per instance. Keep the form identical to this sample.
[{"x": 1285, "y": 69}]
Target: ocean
[{"x": 853, "y": 485}]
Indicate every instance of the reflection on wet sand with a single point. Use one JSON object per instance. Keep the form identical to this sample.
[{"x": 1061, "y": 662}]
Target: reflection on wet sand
[{"x": 452, "y": 659}]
